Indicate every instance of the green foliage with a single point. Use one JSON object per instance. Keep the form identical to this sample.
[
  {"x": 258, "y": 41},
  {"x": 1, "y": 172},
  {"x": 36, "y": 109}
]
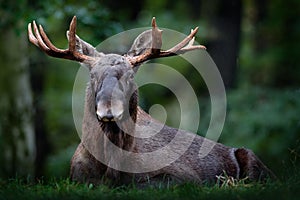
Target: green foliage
[
  {"x": 11, "y": 12},
  {"x": 58, "y": 165},
  {"x": 94, "y": 18},
  {"x": 58, "y": 102},
  {"x": 269, "y": 53}
]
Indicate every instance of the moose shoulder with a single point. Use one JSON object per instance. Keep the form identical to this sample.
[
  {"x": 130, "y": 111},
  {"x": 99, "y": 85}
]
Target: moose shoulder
[{"x": 111, "y": 149}]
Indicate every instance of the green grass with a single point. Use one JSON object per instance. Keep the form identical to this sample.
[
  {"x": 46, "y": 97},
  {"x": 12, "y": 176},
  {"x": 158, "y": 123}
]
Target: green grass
[{"x": 65, "y": 189}]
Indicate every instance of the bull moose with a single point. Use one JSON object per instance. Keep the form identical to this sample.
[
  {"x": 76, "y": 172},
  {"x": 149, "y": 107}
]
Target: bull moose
[{"x": 112, "y": 120}]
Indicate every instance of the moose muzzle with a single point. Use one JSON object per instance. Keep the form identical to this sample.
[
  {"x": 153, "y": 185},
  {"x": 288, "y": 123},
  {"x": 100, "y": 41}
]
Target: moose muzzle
[
  {"x": 109, "y": 113},
  {"x": 110, "y": 101}
]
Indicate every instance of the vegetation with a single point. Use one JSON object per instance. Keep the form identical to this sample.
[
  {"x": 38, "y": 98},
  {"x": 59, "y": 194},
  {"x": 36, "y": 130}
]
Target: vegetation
[{"x": 65, "y": 189}]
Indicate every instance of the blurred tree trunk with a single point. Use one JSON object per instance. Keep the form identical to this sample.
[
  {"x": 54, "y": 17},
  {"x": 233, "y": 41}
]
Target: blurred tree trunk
[
  {"x": 260, "y": 39},
  {"x": 37, "y": 74},
  {"x": 17, "y": 137},
  {"x": 225, "y": 17}
]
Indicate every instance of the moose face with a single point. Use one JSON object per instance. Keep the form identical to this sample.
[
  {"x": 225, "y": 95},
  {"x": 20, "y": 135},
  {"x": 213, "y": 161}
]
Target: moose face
[{"x": 114, "y": 87}]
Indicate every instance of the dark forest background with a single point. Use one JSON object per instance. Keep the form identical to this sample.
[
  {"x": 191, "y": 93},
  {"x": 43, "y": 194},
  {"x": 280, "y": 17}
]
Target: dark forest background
[{"x": 255, "y": 45}]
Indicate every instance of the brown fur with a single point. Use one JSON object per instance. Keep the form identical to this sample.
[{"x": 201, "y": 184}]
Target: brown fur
[{"x": 237, "y": 163}]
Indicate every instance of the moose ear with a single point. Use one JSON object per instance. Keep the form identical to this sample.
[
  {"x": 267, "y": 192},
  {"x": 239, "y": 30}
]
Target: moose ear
[
  {"x": 141, "y": 44},
  {"x": 85, "y": 48}
]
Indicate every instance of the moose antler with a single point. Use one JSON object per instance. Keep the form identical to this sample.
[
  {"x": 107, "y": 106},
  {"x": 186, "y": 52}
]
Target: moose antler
[
  {"x": 155, "y": 52},
  {"x": 41, "y": 40}
]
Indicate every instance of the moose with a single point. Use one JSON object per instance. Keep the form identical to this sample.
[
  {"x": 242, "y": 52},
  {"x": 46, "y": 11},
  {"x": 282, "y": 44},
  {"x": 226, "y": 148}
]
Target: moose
[{"x": 111, "y": 150}]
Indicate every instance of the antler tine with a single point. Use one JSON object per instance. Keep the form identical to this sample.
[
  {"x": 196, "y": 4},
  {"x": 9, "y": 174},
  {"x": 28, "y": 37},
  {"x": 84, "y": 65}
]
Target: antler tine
[
  {"x": 156, "y": 38},
  {"x": 155, "y": 46},
  {"x": 184, "y": 41},
  {"x": 31, "y": 36},
  {"x": 187, "y": 44},
  {"x": 153, "y": 22},
  {"x": 191, "y": 46},
  {"x": 72, "y": 32},
  {"x": 40, "y": 39},
  {"x": 41, "y": 43}
]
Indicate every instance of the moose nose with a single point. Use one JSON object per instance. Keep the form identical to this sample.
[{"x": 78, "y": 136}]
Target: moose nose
[
  {"x": 108, "y": 116},
  {"x": 104, "y": 116},
  {"x": 111, "y": 111}
]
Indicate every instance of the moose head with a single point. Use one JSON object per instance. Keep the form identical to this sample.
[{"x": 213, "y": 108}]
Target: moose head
[{"x": 115, "y": 95}]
